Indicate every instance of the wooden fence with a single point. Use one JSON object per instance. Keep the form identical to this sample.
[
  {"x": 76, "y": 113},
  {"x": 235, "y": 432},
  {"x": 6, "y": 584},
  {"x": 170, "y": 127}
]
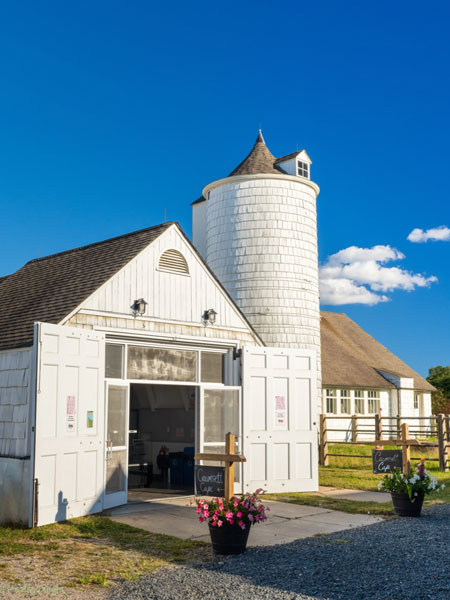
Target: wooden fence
[{"x": 425, "y": 432}]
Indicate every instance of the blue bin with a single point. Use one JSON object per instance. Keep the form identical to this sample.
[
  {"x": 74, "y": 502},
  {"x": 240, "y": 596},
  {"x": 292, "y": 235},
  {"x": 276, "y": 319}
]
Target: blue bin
[
  {"x": 176, "y": 466},
  {"x": 188, "y": 470}
]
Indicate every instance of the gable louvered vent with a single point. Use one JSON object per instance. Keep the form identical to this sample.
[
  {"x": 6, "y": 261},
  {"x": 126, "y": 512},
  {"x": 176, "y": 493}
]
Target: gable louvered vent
[{"x": 172, "y": 260}]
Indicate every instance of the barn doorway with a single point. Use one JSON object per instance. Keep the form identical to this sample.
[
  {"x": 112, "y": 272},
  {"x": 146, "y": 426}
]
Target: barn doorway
[{"x": 162, "y": 436}]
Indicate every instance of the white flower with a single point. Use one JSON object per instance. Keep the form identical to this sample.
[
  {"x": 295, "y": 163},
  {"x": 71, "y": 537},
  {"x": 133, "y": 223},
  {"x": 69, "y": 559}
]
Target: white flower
[{"x": 442, "y": 486}]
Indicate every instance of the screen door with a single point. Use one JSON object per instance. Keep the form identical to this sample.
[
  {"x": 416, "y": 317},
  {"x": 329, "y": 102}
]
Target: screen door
[
  {"x": 220, "y": 413},
  {"x": 116, "y": 455}
]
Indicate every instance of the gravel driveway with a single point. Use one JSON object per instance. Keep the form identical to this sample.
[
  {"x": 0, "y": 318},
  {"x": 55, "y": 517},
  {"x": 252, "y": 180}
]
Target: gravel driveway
[{"x": 402, "y": 559}]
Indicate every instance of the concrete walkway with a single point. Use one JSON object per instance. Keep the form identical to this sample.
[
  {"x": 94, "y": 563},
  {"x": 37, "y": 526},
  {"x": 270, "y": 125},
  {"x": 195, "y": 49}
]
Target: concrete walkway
[
  {"x": 286, "y": 523},
  {"x": 359, "y": 495}
]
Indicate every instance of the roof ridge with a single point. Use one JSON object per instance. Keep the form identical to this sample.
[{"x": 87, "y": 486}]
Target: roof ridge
[{"x": 117, "y": 237}]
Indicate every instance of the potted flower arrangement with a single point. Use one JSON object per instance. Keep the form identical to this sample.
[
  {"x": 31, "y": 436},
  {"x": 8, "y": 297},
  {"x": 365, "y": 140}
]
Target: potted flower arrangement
[
  {"x": 230, "y": 520},
  {"x": 408, "y": 492}
]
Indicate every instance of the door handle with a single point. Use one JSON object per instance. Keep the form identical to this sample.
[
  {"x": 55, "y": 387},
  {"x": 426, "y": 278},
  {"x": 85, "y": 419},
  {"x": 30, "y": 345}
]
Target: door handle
[{"x": 109, "y": 450}]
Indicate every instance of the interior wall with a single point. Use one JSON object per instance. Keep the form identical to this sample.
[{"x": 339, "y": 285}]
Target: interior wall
[{"x": 166, "y": 418}]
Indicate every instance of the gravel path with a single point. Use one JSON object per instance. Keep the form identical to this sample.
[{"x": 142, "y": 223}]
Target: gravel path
[{"x": 402, "y": 559}]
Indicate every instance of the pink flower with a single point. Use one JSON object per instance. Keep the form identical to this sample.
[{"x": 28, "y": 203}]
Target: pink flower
[
  {"x": 241, "y": 524},
  {"x": 229, "y": 514},
  {"x": 201, "y": 519},
  {"x": 239, "y": 514},
  {"x": 235, "y": 504},
  {"x": 219, "y": 523}
]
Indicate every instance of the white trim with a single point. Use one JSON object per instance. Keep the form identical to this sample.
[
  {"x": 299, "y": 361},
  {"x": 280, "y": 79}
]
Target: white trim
[
  {"x": 237, "y": 178},
  {"x": 150, "y": 336},
  {"x": 150, "y": 319}
]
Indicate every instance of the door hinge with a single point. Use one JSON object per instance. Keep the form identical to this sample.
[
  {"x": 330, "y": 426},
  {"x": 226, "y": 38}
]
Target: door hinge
[{"x": 237, "y": 353}]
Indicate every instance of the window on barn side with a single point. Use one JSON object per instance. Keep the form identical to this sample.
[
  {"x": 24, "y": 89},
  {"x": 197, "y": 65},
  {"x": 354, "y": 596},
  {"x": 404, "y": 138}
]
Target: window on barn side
[
  {"x": 173, "y": 261},
  {"x": 359, "y": 402},
  {"x": 331, "y": 401},
  {"x": 416, "y": 401},
  {"x": 345, "y": 402},
  {"x": 373, "y": 403}
]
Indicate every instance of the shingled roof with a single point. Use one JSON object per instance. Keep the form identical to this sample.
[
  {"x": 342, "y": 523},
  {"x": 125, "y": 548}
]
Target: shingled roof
[
  {"x": 353, "y": 358},
  {"x": 48, "y": 289},
  {"x": 260, "y": 160}
]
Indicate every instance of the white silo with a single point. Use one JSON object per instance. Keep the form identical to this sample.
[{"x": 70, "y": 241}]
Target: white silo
[{"x": 257, "y": 230}]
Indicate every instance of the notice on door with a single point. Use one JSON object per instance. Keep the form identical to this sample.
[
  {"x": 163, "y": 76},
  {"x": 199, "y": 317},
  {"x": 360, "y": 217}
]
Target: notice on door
[
  {"x": 280, "y": 412},
  {"x": 71, "y": 414}
]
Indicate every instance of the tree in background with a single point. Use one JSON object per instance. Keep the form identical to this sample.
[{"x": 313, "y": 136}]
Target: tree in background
[{"x": 440, "y": 378}]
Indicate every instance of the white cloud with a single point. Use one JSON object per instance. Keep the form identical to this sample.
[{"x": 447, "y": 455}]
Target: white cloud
[
  {"x": 357, "y": 276},
  {"x": 440, "y": 234}
]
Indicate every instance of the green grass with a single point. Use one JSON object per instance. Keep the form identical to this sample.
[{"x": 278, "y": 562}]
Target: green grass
[
  {"x": 89, "y": 551},
  {"x": 349, "y": 506},
  {"x": 356, "y": 474}
]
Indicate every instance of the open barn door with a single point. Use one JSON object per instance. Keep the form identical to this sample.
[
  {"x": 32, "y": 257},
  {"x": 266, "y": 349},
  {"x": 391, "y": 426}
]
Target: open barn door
[
  {"x": 69, "y": 430},
  {"x": 279, "y": 419}
]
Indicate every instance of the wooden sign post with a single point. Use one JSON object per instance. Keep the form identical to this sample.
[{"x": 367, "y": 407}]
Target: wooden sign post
[{"x": 229, "y": 458}]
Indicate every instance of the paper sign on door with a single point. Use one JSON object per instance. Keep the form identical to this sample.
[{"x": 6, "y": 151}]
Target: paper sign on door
[
  {"x": 280, "y": 412},
  {"x": 71, "y": 413}
]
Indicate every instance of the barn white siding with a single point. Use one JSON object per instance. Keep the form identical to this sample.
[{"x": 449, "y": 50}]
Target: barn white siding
[{"x": 15, "y": 381}]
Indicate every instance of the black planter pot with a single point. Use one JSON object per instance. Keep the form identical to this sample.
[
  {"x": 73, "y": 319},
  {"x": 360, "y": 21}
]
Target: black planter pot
[
  {"x": 404, "y": 507},
  {"x": 229, "y": 539}
]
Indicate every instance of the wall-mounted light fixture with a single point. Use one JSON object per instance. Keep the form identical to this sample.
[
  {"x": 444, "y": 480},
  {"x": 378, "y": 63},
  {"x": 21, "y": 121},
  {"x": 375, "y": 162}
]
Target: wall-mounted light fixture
[
  {"x": 138, "y": 307},
  {"x": 209, "y": 317}
]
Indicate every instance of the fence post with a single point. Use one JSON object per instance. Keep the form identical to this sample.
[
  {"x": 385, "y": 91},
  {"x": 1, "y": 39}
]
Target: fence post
[
  {"x": 378, "y": 427},
  {"x": 442, "y": 432},
  {"x": 399, "y": 427},
  {"x": 354, "y": 428},
  {"x": 323, "y": 444},
  {"x": 406, "y": 454},
  {"x": 446, "y": 441}
]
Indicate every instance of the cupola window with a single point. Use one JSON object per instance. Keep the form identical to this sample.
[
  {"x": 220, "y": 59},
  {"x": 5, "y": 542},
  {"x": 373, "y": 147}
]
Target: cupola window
[
  {"x": 173, "y": 261},
  {"x": 302, "y": 169}
]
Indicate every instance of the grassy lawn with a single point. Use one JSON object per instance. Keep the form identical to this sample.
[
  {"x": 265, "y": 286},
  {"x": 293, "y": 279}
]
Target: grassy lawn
[
  {"x": 89, "y": 551},
  {"x": 356, "y": 474}
]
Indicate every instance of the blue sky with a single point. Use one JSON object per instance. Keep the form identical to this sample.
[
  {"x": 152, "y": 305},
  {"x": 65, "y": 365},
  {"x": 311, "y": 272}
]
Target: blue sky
[{"x": 112, "y": 113}]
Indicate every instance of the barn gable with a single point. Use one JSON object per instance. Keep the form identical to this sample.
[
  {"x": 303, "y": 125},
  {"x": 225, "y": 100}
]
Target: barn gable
[{"x": 173, "y": 279}]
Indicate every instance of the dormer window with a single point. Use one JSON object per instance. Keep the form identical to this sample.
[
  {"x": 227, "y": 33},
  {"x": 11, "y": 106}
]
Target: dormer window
[{"x": 302, "y": 169}]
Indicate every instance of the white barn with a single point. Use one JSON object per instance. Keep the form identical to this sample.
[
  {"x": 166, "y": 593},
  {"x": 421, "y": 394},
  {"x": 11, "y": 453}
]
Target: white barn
[
  {"x": 114, "y": 352},
  {"x": 80, "y": 372}
]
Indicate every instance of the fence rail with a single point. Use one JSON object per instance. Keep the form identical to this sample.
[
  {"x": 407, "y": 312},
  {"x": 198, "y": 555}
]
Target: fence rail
[{"x": 389, "y": 431}]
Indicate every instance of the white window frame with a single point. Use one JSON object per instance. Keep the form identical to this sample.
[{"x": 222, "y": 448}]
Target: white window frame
[
  {"x": 373, "y": 396},
  {"x": 345, "y": 396},
  {"x": 362, "y": 399},
  {"x": 302, "y": 168},
  {"x": 331, "y": 396}
]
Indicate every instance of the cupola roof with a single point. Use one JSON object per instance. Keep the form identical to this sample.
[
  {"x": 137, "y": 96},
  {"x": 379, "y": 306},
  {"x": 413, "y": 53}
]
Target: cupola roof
[{"x": 260, "y": 160}]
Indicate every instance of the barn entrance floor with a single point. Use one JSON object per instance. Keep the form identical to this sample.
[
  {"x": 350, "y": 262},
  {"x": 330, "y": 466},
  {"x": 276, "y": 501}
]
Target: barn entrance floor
[{"x": 286, "y": 523}]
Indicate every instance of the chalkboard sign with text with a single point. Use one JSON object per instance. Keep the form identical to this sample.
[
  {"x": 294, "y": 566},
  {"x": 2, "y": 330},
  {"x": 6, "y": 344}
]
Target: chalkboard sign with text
[
  {"x": 209, "y": 481},
  {"x": 385, "y": 461}
]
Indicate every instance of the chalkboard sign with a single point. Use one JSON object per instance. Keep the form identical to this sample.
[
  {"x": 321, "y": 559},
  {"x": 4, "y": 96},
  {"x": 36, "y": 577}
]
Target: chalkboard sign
[
  {"x": 209, "y": 481},
  {"x": 385, "y": 461}
]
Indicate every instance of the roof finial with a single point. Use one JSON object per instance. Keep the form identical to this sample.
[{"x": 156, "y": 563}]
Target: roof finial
[{"x": 260, "y": 135}]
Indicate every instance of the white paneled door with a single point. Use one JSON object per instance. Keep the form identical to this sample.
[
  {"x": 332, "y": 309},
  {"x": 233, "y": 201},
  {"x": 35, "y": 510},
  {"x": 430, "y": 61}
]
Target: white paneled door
[
  {"x": 279, "y": 419},
  {"x": 69, "y": 431}
]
